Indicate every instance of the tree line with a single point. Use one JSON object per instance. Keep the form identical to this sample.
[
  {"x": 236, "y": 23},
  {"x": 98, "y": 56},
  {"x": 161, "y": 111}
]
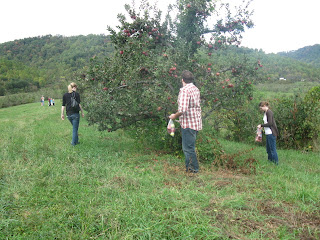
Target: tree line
[{"x": 32, "y": 63}]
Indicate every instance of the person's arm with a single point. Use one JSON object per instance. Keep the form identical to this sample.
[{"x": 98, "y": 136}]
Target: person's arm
[
  {"x": 183, "y": 105},
  {"x": 82, "y": 113},
  {"x": 62, "y": 112},
  {"x": 175, "y": 115},
  {"x": 269, "y": 119}
]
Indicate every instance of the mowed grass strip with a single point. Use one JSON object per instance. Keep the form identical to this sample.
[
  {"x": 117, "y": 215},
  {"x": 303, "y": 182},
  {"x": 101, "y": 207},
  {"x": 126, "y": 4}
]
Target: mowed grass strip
[{"x": 109, "y": 188}]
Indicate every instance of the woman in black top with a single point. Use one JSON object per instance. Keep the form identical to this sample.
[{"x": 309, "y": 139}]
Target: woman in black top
[{"x": 72, "y": 112}]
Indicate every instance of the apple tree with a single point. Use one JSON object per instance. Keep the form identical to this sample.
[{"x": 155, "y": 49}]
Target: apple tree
[{"x": 139, "y": 84}]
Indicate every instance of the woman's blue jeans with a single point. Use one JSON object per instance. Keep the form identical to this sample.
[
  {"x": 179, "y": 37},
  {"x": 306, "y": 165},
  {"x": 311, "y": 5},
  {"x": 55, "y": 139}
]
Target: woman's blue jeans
[
  {"x": 75, "y": 120},
  {"x": 189, "y": 149},
  {"x": 272, "y": 149}
]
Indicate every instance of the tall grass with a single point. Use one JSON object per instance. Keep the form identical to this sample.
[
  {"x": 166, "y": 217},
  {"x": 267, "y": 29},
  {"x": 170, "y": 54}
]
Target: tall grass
[{"x": 109, "y": 188}]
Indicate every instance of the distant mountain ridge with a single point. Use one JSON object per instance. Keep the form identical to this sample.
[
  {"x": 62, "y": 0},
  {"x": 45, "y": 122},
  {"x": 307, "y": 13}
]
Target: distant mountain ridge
[
  {"x": 308, "y": 54},
  {"x": 31, "y": 63}
]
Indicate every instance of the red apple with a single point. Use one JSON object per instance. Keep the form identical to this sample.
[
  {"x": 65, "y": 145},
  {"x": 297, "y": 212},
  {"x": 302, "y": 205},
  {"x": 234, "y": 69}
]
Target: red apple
[
  {"x": 218, "y": 74},
  {"x": 121, "y": 52}
]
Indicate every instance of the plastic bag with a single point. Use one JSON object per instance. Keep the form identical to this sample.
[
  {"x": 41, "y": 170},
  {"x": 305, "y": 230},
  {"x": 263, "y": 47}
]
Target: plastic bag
[
  {"x": 259, "y": 135},
  {"x": 170, "y": 128}
]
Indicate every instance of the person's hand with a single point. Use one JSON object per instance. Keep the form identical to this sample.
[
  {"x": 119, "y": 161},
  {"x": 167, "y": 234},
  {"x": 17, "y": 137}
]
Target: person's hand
[
  {"x": 259, "y": 126},
  {"x": 82, "y": 114},
  {"x": 172, "y": 116},
  {"x": 62, "y": 116}
]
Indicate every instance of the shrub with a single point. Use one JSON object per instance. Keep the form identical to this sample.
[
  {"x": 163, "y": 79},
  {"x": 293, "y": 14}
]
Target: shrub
[{"x": 298, "y": 120}]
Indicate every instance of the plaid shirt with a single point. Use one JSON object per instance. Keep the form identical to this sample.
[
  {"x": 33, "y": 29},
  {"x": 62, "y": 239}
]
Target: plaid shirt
[{"x": 189, "y": 106}]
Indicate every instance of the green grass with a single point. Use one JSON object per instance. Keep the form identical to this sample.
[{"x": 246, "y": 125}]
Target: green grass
[
  {"x": 279, "y": 89},
  {"x": 109, "y": 188}
]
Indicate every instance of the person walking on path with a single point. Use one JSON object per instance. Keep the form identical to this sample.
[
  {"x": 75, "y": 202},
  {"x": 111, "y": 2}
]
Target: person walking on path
[
  {"x": 271, "y": 132},
  {"x": 72, "y": 112},
  {"x": 189, "y": 114}
]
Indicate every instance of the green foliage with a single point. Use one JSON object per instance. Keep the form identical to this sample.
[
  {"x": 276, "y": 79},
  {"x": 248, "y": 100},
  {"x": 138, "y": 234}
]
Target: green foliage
[
  {"x": 308, "y": 54},
  {"x": 276, "y": 66},
  {"x": 16, "y": 77},
  {"x": 209, "y": 148},
  {"x": 298, "y": 120},
  {"x": 245, "y": 119},
  {"x": 311, "y": 104},
  {"x": 152, "y": 134},
  {"x": 30, "y": 63}
]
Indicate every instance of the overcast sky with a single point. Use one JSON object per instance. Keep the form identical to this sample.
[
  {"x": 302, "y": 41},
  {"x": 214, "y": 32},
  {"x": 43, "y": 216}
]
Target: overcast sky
[{"x": 280, "y": 25}]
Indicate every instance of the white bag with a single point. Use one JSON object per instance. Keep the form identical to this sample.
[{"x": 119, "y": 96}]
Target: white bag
[{"x": 170, "y": 128}]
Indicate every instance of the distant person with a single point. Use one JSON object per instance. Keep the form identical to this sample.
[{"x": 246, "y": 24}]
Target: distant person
[
  {"x": 52, "y": 102},
  {"x": 270, "y": 130},
  {"x": 49, "y": 101},
  {"x": 42, "y": 100},
  {"x": 72, "y": 112},
  {"x": 189, "y": 113}
]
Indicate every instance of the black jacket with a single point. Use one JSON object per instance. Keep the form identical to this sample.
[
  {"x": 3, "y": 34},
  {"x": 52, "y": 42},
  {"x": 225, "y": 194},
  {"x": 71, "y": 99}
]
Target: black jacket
[
  {"x": 66, "y": 101},
  {"x": 271, "y": 123}
]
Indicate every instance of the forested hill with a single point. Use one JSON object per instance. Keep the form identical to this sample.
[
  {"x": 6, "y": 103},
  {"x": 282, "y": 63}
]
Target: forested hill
[
  {"x": 274, "y": 67},
  {"x": 30, "y": 63},
  {"x": 309, "y": 54}
]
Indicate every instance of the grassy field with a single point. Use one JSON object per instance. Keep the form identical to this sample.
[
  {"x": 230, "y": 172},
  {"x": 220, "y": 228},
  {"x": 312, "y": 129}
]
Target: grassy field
[
  {"x": 272, "y": 90},
  {"x": 109, "y": 188}
]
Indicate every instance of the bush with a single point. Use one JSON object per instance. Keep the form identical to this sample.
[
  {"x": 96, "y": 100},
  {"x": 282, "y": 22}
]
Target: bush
[
  {"x": 298, "y": 120},
  {"x": 208, "y": 147},
  {"x": 152, "y": 134}
]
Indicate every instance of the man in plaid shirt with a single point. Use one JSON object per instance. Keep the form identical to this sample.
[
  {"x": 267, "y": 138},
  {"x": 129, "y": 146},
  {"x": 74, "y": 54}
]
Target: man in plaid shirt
[{"x": 189, "y": 113}]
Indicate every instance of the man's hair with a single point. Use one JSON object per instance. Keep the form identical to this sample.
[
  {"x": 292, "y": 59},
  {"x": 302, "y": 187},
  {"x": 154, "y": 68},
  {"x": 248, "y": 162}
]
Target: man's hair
[
  {"x": 187, "y": 76},
  {"x": 263, "y": 104}
]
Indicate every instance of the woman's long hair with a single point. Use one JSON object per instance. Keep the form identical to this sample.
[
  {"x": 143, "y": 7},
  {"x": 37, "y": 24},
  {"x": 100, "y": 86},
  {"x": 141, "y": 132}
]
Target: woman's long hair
[{"x": 71, "y": 85}]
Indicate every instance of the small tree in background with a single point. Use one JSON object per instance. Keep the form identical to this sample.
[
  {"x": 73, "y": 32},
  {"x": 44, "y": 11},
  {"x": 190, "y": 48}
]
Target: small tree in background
[{"x": 138, "y": 86}]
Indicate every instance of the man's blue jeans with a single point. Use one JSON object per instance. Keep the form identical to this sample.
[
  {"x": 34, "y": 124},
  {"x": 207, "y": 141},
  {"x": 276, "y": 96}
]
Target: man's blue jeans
[
  {"x": 189, "y": 149},
  {"x": 74, "y": 119},
  {"x": 272, "y": 149}
]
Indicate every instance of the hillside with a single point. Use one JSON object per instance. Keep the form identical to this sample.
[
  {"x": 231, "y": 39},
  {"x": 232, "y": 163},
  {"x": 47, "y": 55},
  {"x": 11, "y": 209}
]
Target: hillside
[
  {"x": 276, "y": 66},
  {"x": 309, "y": 54},
  {"x": 31, "y": 63}
]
